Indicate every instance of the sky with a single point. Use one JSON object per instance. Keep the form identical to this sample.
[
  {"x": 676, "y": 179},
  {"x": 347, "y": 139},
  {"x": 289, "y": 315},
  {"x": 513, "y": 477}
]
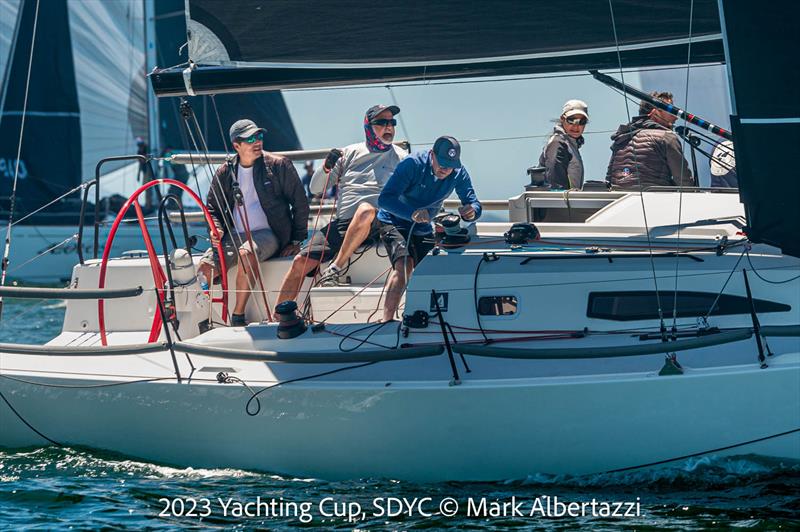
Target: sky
[{"x": 502, "y": 123}]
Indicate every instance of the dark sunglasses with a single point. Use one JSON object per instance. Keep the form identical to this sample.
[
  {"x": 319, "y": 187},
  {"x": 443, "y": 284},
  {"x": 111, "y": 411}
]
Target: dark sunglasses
[
  {"x": 576, "y": 121},
  {"x": 384, "y": 122},
  {"x": 252, "y": 139}
]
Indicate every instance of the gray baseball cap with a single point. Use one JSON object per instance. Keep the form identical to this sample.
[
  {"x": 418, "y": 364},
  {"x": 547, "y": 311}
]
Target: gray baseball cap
[
  {"x": 375, "y": 110},
  {"x": 244, "y": 128}
]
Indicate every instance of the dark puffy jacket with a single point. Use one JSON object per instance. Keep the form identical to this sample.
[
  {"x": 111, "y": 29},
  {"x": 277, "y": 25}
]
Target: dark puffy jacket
[
  {"x": 653, "y": 150},
  {"x": 562, "y": 160},
  {"x": 279, "y": 189}
]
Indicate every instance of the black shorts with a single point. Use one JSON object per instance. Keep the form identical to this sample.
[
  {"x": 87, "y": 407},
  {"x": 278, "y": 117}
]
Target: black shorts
[
  {"x": 326, "y": 243},
  {"x": 394, "y": 240}
]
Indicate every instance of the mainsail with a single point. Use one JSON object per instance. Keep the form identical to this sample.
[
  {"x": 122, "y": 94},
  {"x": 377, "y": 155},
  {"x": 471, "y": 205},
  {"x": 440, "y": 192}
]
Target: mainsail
[
  {"x": 50, "y": 160},
  {"x": 267, "y": 109},
  {"x": 764, "y": 78},
  {"x": 252, "y": 46}
]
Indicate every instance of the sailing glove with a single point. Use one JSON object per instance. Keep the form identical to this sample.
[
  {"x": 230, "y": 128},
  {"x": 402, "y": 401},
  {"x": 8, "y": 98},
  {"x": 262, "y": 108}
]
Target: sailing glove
[{"x": 331, "y": 159}]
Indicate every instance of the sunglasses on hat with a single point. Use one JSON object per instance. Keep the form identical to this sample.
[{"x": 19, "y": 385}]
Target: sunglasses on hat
[{"x": 384, "y": 122}]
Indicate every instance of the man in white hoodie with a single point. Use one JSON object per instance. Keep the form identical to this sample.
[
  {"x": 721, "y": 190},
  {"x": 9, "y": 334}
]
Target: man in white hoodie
[{"x": 359, "y": 170}]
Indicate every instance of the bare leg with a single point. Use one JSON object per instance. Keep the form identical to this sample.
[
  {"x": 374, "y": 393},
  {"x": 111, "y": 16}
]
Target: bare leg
[
  {"x": 396, "y": 285},
  {"x": 205, "y": 269},
  {"x": 357, "y": 232},
  {"x": 293, "y": 279},
  {"x": 244, "y": 280}
]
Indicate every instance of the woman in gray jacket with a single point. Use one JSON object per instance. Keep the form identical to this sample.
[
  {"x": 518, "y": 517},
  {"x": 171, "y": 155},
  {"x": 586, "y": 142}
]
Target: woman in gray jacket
[{"x": 561, "y": 157}]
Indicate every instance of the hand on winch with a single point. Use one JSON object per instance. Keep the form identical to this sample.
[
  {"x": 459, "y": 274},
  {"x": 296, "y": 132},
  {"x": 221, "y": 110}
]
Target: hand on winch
[
  {"x": 421, "y": 216},
  {"x": 467, "y": 212},
  {"x": 334, "y": 155}
]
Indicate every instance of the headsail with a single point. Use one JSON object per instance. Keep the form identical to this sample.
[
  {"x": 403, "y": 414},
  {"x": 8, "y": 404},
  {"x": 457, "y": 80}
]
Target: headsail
[
  {"x": 252, "y": 46},
  {"x": 766, "y": 116}
]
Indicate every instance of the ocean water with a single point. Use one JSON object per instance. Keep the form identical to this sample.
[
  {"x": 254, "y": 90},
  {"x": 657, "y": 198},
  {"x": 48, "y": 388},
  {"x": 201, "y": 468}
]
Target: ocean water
[{"x": 66, "y": 488}]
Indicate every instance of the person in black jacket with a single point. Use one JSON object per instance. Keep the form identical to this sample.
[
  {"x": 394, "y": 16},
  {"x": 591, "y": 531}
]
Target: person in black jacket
[
  {"x": 561, "y": 157},
  {"x": 259, "y": 193}
]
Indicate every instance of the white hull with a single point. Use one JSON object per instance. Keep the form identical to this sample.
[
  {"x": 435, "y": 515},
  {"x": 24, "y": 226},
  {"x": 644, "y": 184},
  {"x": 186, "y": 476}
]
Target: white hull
[
  {"x": 507, "y": 419},
  {"x": 428, "y": 431},
  {"x": 37, "y": 257}
]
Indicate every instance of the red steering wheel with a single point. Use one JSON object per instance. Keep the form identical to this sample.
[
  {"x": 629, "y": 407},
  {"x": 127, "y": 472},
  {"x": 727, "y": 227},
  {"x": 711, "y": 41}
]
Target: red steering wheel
[{"x": 155, "y": 265}]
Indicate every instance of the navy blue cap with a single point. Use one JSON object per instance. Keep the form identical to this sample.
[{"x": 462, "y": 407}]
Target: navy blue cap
[{"x": 448, "y": 152}]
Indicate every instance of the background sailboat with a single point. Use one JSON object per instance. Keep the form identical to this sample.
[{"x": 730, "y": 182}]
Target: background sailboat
[{"x": 87, "y": 99}]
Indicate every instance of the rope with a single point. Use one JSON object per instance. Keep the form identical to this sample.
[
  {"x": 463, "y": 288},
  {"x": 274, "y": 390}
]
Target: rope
[
  {"x": 636, "y": 169},
  {"x": 7, "y": 249}
]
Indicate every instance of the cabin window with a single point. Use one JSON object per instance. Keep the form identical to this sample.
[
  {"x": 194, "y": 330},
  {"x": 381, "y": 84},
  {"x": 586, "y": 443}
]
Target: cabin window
[
  {"x": 497, "y": 306},
  {"x": 642, "y": 305}
]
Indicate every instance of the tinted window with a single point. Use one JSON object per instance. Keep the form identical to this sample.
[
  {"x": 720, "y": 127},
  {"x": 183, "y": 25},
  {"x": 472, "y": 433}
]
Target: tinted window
[
  {"x": 497, "y": 306},
  {"x": 643, "y": 305}
]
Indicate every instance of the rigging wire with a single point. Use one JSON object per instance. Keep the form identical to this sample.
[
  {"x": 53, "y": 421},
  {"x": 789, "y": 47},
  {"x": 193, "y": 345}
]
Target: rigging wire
[
  {"x": 680, "y": 178},
  {"x": 7, "y": 249},
  {"x": 638, "y": 176},
  {"x": 43, "y": 207},
  {"x": 45, "y": 252}
]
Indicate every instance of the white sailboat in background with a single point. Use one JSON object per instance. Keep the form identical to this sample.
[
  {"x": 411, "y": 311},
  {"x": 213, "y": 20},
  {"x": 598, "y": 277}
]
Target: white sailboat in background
[{"x": 625, "y": 339}]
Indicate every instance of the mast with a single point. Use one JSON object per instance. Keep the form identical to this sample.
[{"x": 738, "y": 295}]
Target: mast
[{"x": 149, "y": 11}]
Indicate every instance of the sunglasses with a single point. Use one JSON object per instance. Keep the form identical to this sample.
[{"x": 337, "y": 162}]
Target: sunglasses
[
  {"x": 252, "y": 139},
  {"x": 576, "y": 121},
  {"x": 384, "y": 122}
]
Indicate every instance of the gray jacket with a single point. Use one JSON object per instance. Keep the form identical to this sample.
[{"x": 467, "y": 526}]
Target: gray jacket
[
  {"x": 562, "y": 160},
  {"x": 648, "y": 154}
]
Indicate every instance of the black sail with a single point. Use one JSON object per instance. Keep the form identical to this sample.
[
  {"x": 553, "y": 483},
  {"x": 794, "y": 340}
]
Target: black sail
[
  {"x": 267, "y": 109},
  {"x": 50, "y": 160},
  {"x": 765, "y": 86},
  {"x": 240, "y": 46}
]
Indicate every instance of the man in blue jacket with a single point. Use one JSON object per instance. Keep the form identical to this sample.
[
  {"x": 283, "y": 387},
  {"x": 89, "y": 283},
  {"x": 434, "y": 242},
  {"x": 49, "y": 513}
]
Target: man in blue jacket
[{"x": 410, "y": 199}]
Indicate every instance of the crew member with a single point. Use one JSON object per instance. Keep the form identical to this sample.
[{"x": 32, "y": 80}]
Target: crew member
[
  {"x": 646, "y": 152},
  {"x": 259, "y": 193},
  {"x": 410, "y": 199},
  {"x": 359, "y": 170}
]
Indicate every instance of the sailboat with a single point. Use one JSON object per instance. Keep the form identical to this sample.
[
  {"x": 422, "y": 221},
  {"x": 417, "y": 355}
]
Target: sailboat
[
  {"x": 626, "y": 338},
  {"x": 87, "y": 100}
]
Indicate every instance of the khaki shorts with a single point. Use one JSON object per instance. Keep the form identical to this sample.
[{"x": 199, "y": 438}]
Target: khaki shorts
[{"x": 264, "y": 240}]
